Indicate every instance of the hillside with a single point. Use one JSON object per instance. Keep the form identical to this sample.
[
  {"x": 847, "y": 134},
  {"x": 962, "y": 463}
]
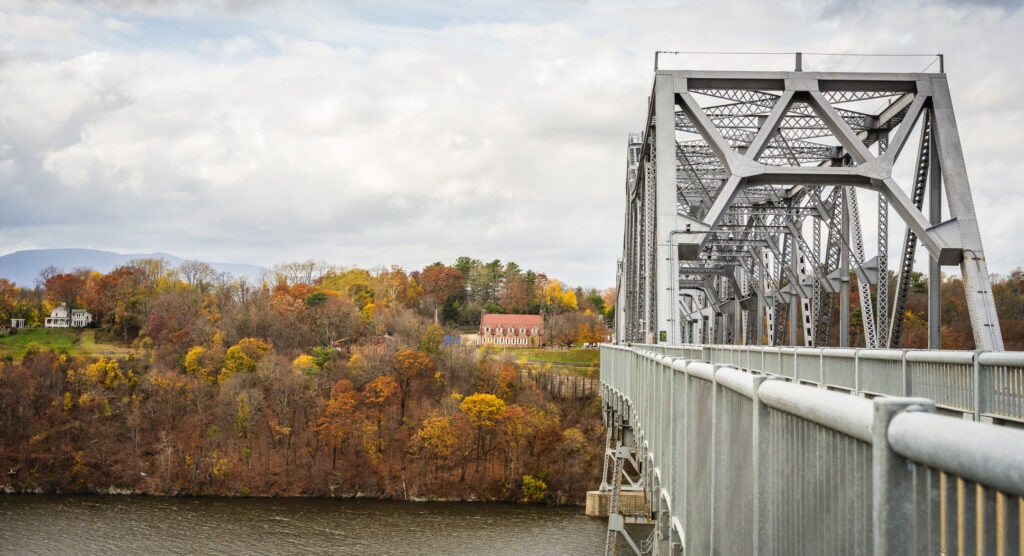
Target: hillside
[
  {"x": 22, "y": 267},
  {"x": 330, "y": 385}
]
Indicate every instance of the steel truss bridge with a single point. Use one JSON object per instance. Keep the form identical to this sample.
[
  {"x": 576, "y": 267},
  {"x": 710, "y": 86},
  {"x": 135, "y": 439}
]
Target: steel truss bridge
[
  {"x": 735, "y": 398},
  {"x": 745, "y": 209}
]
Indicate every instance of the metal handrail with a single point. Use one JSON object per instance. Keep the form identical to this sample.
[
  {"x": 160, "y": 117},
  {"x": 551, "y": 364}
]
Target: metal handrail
[
  {"x": 981, "y": 385},
  {"x": 889, "y": 469}
]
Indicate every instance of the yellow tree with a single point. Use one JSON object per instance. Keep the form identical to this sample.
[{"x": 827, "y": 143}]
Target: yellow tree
[
  {"x": 413, "y": 292},
  {"x": 304, "y": 365},
  {"x": 376, "y": 396},
  {"x": 391, "y": 286},
  {"x": 483, "y": 411},
  {"x": 355, "y": 284},
  {"x": 242, "y": 357},
  {"x": 557, "y": 298},
  {"x": 206, "y": 362},
  {"x": 432, "y": 339},
  {"x": 436, "y": 442}
]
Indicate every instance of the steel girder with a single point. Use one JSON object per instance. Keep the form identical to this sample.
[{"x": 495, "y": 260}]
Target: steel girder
[{"x": 753, "y": 167}]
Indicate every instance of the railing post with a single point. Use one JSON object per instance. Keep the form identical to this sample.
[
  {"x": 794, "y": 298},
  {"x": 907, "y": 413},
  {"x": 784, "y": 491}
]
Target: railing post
[
  {"x": 907, "y": 389},
  {"x": 821, "y": 368},
  {"x": 716, "y": 453},
  {"x": 893, "y": 487},
  {"x": 983, "y": 388},
  {"x": 681, "y": 417},
  {"x": 764, "y": 526},
  {"x": 856, "y": 371}
]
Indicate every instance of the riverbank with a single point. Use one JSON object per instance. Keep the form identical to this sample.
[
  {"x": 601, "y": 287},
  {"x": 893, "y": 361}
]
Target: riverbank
[{"x": 11, "y": 490}]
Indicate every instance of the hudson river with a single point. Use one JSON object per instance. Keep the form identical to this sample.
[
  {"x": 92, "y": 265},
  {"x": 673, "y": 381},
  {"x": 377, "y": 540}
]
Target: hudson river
[{"x": 31, "y": 524}]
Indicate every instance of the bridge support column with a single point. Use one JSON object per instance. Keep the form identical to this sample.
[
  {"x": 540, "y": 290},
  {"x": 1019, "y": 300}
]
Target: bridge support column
[
  {"x": 665, "y": 329},
  {"x": 934, "y": 271}
]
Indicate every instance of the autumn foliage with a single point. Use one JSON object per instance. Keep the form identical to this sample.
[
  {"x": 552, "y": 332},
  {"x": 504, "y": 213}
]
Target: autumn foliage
[
  {"x": 320, "y": 381},
  {"x": 954, "y": 321}
]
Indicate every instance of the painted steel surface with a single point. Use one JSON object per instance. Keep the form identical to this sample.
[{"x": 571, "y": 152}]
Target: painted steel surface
[
  {"x": 745, "y": 196},
  {"x": 739, "y": 461}
]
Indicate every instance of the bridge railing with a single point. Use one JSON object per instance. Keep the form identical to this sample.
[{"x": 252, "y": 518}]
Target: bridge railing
[
  {"x": 739, "y": 462},
  {"x": 982, "y": 385}
]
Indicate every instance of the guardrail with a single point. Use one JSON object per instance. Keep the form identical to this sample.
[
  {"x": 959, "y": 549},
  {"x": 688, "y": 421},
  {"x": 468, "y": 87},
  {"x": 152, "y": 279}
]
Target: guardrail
[
  {"x": 983, "y": 385},
  {"x": 738, "y": 462}
]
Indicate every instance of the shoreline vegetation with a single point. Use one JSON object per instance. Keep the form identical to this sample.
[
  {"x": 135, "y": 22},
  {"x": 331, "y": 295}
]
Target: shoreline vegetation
[
  {"x": 329, "y": 383},
  {"x": 117, "y": 429}
]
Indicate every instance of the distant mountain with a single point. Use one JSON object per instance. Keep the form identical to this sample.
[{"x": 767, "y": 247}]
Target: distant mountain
[{"x": 22, "y": 267}]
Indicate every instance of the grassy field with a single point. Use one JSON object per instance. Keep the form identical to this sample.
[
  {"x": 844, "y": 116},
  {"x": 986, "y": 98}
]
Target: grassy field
[
  {"x": 563, "y": 356},
  {"x": 88, "y": 345},
  {"x": 14, "y": 346},
  {"x": 576, "y": 361},
  {"x": 74, "y": 342}
]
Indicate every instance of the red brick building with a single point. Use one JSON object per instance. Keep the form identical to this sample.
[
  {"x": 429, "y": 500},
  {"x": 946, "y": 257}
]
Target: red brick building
[{"x": 512, "y": 330}]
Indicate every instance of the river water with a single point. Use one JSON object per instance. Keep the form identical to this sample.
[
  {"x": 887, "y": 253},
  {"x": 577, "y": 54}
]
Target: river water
[{"x": 37, "y": 524}]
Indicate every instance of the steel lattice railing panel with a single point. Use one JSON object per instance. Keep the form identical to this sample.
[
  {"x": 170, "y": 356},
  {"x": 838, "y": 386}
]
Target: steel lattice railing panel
[{"x": 738, "y": 461}]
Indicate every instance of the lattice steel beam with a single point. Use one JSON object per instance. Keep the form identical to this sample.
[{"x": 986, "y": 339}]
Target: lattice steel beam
[{"x": 748, "y": 185}]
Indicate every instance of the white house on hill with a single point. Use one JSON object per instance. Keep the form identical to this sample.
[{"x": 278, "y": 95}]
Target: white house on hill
[{"x": 62, "y": 317}]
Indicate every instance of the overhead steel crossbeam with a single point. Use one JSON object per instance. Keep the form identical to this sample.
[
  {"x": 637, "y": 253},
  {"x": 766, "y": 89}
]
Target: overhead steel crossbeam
[
  {"x": 779, "y": 152},
  {"x": 754, "y": 167}
]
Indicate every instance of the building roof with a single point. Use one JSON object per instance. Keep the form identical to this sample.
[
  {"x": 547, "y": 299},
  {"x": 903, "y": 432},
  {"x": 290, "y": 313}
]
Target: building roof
[{"x": 498, "y": 319}]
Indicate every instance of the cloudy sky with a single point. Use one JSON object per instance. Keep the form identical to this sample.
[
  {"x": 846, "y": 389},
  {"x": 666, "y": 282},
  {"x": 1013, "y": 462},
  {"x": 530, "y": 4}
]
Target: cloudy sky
[{"x": 406, "y": 132}]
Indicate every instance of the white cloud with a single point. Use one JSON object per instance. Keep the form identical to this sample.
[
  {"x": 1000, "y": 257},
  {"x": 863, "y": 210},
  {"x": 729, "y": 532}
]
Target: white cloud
[
  {"x": 118, "y": 25},
  {"x": 267, "y": 134}
]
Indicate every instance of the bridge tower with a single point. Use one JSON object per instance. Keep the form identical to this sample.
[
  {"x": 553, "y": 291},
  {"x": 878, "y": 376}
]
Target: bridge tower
[{"x": 752, "y": 200}]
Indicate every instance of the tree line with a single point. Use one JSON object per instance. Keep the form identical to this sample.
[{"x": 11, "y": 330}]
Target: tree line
[
  {"x": 317, "y": 380},
  {"x": 955, "y": 323},
  {"x": 137, "y": 298}
]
